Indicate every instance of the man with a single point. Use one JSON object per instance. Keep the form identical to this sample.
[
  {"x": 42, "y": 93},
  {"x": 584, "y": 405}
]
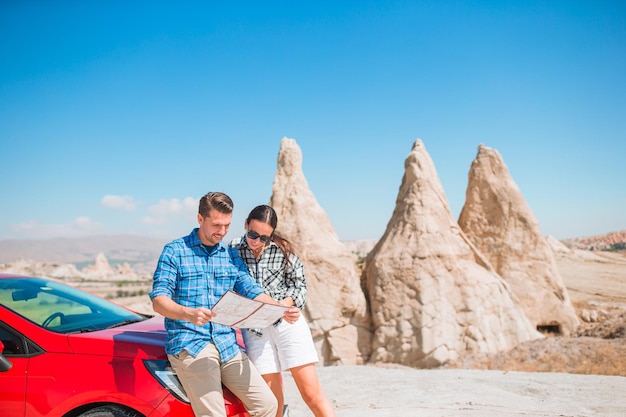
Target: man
[{"x": 193, "y": 272}]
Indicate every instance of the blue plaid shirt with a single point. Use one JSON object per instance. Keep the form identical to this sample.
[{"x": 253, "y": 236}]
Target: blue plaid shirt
[{"x": 194, "y": 275}]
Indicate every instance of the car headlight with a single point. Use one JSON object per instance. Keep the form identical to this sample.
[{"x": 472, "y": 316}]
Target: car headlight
[{"x": 163, "y": 372}]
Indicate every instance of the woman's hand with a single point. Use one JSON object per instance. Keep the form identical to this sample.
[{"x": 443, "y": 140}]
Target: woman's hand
[
  {"x": 287, "y": 302},
  {"x": 292, "y": 315}
]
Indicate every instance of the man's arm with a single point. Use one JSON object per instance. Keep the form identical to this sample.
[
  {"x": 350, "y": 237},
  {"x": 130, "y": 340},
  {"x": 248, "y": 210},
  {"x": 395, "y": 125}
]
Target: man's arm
[{"x": 167, "y": 307}]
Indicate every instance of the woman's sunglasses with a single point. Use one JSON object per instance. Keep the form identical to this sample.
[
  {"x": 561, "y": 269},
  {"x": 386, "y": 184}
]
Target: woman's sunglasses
[{"x": 254, "y": 235}]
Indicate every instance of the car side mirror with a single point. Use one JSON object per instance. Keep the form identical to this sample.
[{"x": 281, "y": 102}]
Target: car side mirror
[{"x": 5, "y": 364}]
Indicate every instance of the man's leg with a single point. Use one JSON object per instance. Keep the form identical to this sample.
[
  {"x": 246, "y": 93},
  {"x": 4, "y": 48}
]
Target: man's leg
[
  {"x": 201, "y": 378},
  {"x": 275, "y": 382},
  {"x": 243, "y": 379}
]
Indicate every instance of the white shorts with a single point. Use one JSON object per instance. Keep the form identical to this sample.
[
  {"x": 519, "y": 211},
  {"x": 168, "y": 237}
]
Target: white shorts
[{"x": 281, "y": 347}]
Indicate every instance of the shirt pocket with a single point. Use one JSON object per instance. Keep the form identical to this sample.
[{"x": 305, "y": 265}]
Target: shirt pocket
[
  {"x": 272, "y": 279},
  {"x": 192, "y": 282},
  {"x": 224, "y": 280}
]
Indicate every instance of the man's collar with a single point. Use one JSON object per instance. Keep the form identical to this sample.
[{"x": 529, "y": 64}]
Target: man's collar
[{"x": 195, "y": 241}]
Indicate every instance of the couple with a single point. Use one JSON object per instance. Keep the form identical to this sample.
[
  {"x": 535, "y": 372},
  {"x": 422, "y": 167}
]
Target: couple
[{"x": 193, "y": 272}]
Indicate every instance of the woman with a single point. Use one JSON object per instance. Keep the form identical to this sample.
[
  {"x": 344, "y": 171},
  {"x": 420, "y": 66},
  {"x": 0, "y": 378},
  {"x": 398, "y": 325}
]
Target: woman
[{"x": 283, "y": 346}]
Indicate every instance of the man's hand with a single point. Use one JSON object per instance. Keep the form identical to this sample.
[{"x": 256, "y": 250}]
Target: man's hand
[{"x": 199, "y": 316}]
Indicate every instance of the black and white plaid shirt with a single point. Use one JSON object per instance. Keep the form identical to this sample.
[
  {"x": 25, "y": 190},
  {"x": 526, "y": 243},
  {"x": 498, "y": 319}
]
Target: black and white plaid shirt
[{"x": 278, "y": 278}]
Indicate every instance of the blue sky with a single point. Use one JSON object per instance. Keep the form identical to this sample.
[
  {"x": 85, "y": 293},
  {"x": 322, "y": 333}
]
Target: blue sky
[{"x": 115, "y": 117}]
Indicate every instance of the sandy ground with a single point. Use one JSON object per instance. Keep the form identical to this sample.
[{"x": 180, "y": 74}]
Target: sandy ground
[{"x": 363, "y": 391}]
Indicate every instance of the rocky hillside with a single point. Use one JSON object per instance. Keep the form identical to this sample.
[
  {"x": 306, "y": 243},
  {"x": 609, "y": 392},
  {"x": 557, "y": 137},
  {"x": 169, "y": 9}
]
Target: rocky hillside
[
  {"x": 596, "y": 282},
  {"x": 607, "y": 241},
  {"x": 141, "y": 253}
]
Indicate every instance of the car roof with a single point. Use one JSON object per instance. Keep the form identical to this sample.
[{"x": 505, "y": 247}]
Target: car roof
[{"x": 10, "y": 275}]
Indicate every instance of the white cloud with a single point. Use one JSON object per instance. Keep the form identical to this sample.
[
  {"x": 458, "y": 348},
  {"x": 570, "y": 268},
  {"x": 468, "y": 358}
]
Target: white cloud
[
  {"x": 122, "y": 202},
  {"x": 81, "y": 226},
  {"x": 165, "y": 210}
]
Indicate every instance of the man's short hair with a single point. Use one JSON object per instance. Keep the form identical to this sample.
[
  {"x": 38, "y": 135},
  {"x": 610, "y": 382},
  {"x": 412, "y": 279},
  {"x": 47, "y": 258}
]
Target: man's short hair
[{"x": 215, "y": 201}]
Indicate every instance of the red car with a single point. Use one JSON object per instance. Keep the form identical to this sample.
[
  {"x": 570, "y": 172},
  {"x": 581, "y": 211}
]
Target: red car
[{"x": 65, "y": 352}]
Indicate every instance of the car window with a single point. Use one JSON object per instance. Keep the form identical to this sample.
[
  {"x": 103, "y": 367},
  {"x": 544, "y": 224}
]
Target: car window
[
  {"x": 61, "y": 308},
  {"x": 13, "y": 344}
]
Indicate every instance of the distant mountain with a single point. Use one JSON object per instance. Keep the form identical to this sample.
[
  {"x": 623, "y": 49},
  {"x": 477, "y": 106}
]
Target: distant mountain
[
  {"x": 140, "y": 252},
  {"x": 607, "y": 241}
]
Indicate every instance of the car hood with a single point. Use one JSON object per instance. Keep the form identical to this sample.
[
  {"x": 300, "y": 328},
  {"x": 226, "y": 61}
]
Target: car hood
[{"x": 142, "y": 340}]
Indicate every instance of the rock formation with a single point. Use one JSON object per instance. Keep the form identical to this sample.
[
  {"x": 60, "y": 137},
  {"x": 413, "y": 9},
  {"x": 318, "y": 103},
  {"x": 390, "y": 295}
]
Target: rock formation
[
  {"x": 498, "y": 221},
  {"x": 100, "y": 267},
  {"x": 433, "y": 296},
  {"x": 336, "y": 306},
  {"x": 557, "y": 246},
  {"x": 99, "y": 270},
  {"x": 33, "y": 268},
  {"x": 126, "y": 270}
]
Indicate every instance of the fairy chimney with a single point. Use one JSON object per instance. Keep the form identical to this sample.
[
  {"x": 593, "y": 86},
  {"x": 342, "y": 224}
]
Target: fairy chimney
[
  {"x": 336, "y": 307},
  {"x": 433, "y": 296},
  {"x": 498, "y": 221},
  {"x": 100, "y": 268}
]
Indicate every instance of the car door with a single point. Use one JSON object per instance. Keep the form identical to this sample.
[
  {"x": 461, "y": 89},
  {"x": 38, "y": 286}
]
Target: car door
[{"x": 13, "y": 380}]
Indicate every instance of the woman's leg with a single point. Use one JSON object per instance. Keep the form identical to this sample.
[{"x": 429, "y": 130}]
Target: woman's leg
[{"x": 305, "y": 377}]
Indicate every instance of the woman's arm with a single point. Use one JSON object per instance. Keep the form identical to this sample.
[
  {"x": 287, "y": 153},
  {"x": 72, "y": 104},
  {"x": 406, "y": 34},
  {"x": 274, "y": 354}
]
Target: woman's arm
[{"x": 291, "y": 316}]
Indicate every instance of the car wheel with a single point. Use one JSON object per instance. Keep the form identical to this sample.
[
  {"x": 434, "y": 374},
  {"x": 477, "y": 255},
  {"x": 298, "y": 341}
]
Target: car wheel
[{"x": 110, "y": 411}]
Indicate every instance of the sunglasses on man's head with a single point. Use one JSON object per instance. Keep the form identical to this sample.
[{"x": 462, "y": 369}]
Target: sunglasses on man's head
[{"x": 254, "y": 235}]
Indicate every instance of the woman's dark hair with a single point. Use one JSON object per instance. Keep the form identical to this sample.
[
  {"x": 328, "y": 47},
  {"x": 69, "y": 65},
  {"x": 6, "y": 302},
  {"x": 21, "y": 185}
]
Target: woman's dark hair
[
  {"x": 267, "y": 214},
  {"x": 217, "y": 201}
]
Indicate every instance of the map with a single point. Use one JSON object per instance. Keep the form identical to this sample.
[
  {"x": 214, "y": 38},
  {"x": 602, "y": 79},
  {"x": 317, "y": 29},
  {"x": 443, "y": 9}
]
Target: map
[{"x": 236, "y": 311}]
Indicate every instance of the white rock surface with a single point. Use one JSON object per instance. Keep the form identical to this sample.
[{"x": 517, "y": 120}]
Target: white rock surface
[
  {"x": 336, "y": 308},
  {"x": 498, "y": 221},
  {"x": 368, "y": 391},
  {"x": 433, "y": 295}
]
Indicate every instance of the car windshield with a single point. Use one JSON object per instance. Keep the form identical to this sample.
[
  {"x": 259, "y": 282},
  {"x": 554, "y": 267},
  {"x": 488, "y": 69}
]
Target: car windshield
[{"x": 61, "y": 308}]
